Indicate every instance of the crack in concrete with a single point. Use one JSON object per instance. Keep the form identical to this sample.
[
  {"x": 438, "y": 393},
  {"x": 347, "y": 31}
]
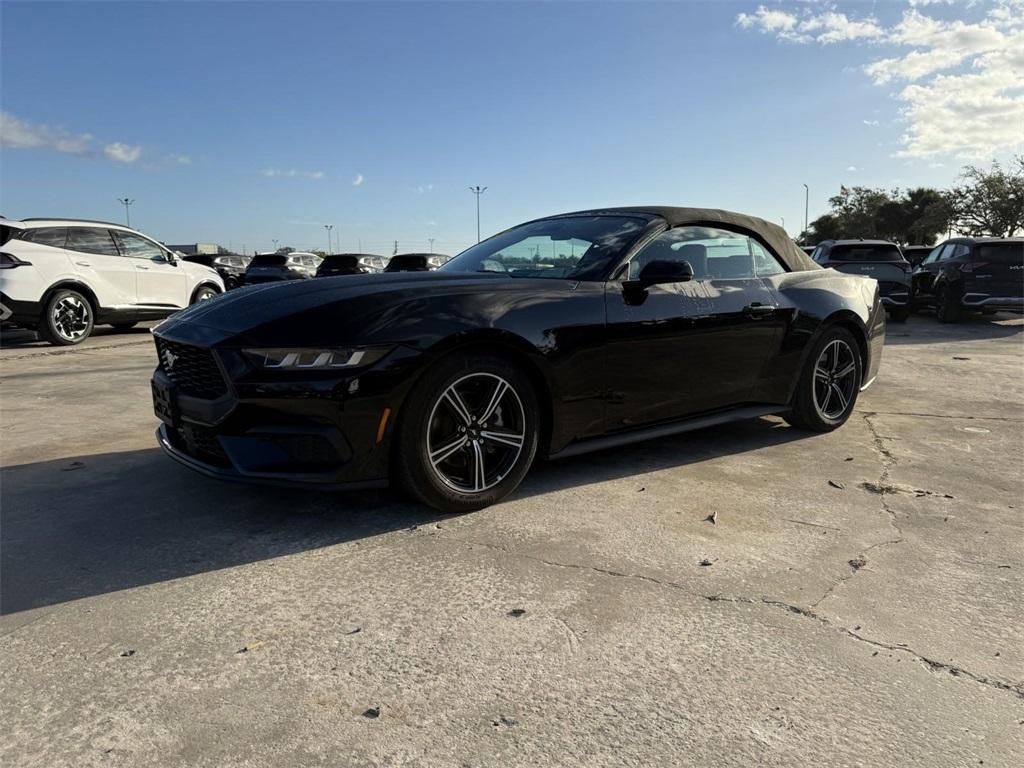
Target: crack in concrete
[
  {"x": 881, "y": 488},
  {"x": 931, "y": 664},
  {"x": 947, "y": 416},
  {"x": 935, "y": 666}
]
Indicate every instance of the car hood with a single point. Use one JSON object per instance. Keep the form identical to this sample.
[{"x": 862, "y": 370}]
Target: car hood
[{"x": 357, "y": 309}]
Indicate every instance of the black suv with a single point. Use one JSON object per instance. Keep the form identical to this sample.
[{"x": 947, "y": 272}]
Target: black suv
[
  {"x": 879, "y": 259},
  {"x": 915, "y": 254},
  {"x": 343, "y": 264},
  {"x": 966, "y": 273},
  {"x": 231, "y": 268}
]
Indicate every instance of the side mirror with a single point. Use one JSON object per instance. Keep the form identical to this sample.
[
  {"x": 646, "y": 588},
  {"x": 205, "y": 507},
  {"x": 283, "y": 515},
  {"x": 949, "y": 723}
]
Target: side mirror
[
  {"x": 659, "y": 271},
  {"x": 172, "y": 257}
]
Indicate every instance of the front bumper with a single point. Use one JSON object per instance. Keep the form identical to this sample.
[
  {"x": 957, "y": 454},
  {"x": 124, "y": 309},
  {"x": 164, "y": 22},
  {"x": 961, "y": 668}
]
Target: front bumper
[
  {"x": 986, "y": 301},
  {"x": 329, "y": 432},
  {"x": 233, "y": 474}
]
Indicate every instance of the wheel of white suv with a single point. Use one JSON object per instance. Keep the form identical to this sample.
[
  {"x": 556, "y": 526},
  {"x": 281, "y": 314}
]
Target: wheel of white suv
[
  {"x": 468, "y": 433},
  {"x": 204, "y": 292},
  {"x": 67, "y": 318}
]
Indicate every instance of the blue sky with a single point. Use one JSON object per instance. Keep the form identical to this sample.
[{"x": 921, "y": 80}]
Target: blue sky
[{"x": 241, "y": 123}]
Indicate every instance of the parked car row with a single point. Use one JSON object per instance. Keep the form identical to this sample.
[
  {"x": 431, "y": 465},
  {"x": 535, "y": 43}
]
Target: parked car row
[
  {"x": 958, "y": 275},
  {"x": 270, "y": 267}
]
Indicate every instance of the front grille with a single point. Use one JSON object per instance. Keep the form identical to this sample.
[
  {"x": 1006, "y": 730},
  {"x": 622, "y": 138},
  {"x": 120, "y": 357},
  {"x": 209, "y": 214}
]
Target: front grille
[
  {"x": 192, "y": 369},
  {"x": 308, "y": 449},
  {"x": 202, "y": 443}
]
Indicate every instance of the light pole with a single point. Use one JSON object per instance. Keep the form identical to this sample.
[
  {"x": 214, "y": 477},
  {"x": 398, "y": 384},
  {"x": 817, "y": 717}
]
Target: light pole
[
  {"x": 807, "y": 205},
  {"x": 431, "y": 244},
  {"x": 478, "y": 190},
  {"x": 126, "y": 202},
  {"x": 275, "y": 245},
  {"x": 328, "y": 227}
]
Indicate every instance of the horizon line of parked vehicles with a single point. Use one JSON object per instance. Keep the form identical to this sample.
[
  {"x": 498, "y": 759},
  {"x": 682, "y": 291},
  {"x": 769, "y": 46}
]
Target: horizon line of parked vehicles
[{"x": 61, "y": 277}]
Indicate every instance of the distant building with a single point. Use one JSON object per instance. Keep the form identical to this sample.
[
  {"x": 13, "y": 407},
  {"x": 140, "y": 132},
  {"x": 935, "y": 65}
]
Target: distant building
[{"x": 196, "y": 249}]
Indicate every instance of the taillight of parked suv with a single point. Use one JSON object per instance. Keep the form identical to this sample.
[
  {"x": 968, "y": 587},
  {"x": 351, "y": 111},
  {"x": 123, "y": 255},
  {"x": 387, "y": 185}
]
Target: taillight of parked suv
[{"x": 10, "y": 261}]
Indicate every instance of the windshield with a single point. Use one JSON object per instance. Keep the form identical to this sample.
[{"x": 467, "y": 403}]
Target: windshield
[{"x": 573, "y": 247}]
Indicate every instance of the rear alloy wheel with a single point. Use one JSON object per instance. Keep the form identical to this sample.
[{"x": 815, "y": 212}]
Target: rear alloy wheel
[
  {"x": 204, "y": 293},
  {"x": 828, "y": 387},
  {"x": 470, "y": 434},
  {"x": 946, "y": 308},
  {"x": 67, "y": 319}
]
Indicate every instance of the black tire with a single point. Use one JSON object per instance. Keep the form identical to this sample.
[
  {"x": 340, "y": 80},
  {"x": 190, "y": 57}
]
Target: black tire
[
  {"x": 68, "y": 318},
  {"x": 203, "y": 293},
  {"x": 811, "y": 391},
  {"x": 429, "y": 420},
  {"x": 122, "y": 327},
  {"x": 230, "y": 284},
  {"x": 899, "y": 314},
  {"x": 947, "y": 309}
]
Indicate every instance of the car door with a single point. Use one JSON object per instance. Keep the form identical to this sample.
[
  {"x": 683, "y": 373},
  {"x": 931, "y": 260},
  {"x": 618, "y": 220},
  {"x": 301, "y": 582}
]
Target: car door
[
  {"x": 100, "y": 265},
  {"x": 679, "y": 349},
  {"x": 924, "y": 276},
  {"x": 159, "y": 282}
]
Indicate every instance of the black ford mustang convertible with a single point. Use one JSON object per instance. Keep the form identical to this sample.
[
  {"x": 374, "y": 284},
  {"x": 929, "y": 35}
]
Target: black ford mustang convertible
[{"x": 563, "y": 335}]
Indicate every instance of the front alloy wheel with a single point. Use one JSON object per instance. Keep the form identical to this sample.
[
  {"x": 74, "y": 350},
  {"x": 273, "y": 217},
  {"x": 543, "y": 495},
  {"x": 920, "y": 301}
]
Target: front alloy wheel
[
  {"x": 204, "y": 293},
  {"x": 476, "y": 432},
  {"x": 467, "y": 434}
]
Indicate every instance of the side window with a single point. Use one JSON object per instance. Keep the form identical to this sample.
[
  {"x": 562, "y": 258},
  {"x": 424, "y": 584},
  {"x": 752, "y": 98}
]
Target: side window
[
  {"x": 933, "y": 256},
  {"x": 819, "y": 254},
  {"x": 138, "y": 247},
  {"x": 960, "y": 250},
  {"x": 52, "y": 236},
  {"x": 91, "y": 240},
  {"x": 713, "y": 254},
  {"x": 947, "y": 251}
]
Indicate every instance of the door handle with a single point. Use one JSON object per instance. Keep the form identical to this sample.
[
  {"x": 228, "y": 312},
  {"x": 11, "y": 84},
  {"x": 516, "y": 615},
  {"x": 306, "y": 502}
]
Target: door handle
[
  {"x": 83, "y": 263},
  {"x": 757, "y": 309},
  {"x": 141, "y": 266}
]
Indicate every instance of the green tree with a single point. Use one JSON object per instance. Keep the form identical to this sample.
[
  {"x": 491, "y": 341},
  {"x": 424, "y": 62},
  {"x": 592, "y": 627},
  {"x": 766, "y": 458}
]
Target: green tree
[
  {"x": 913, "y": 217},
  {"x": 990, "y": 202}
]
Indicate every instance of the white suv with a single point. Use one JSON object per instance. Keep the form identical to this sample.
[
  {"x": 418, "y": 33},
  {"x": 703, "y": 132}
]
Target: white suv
[{"x": 61, "y": 277}]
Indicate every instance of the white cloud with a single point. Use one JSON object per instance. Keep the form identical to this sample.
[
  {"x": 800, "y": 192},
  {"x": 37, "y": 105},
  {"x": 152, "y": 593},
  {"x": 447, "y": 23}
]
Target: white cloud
[
  {"x": 122, "y": 153},
  {"x": 851, "y": 168},
  {"x": 21, "y": 134},
  {"x": 963, "y": 80},
  {"x": 424, "y": 188},
  {"x": 824, "y": 28},
  {"x": 870, "y": 123},
  {"x": 357, "y": 180},
  {"x": 291, "y": 173},
  {"x": 181, "y": 159}
]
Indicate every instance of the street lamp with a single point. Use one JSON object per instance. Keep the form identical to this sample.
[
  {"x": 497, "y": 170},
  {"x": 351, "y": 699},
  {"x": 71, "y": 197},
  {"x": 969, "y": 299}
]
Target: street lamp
[
  {"x": 431, "y": 244},
  {"x": 807, "y": 205},
  {"x": 478, "y": 190},
  {"x": 275, "y": 245},
  {"x": 328, "y": 227},
  {"x": 126, "y": 202}
]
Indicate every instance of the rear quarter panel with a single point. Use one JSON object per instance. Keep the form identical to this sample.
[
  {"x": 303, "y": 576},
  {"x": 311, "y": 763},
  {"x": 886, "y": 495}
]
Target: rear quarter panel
[{"x": 811, "y": 301}]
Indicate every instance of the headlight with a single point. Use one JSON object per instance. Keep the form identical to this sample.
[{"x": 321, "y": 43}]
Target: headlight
[{"x": 313, "y": 359}]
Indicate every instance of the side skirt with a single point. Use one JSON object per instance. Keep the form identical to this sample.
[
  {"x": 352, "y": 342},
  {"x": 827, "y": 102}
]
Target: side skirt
[{"x": 665, "y": 430}]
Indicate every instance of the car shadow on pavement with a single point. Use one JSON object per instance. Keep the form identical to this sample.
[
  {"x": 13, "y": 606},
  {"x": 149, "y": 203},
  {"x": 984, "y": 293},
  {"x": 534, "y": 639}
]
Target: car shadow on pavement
[
  {"x": 84, "y": 526},
  {"x": 20, "y": 338},
  {"x": 926, "y": 329}
]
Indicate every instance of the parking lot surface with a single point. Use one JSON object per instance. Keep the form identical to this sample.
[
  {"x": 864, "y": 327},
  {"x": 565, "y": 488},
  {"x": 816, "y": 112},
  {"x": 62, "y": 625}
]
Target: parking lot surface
[{"x": 743, "y": 595}]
